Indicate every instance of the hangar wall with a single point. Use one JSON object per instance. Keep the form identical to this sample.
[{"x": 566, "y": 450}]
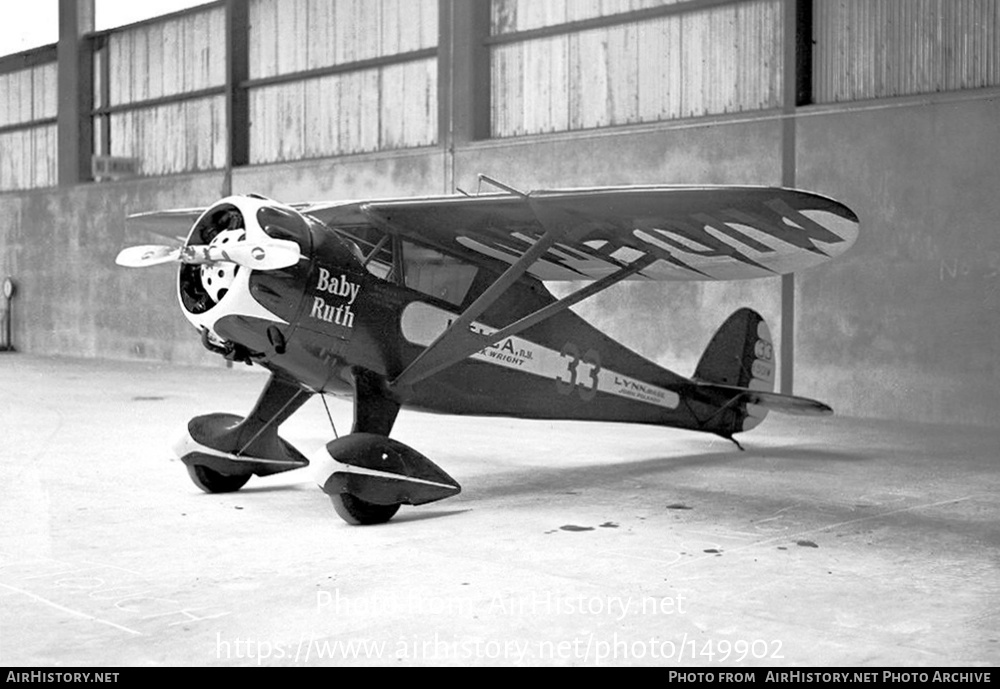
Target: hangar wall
[
  {"x": 60, "y": 245},
  {"x": 907, "y": 325}
]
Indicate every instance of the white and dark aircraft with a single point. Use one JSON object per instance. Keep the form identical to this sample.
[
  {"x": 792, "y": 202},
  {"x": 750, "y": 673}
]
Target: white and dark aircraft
[{"x": 440, "y": 304}]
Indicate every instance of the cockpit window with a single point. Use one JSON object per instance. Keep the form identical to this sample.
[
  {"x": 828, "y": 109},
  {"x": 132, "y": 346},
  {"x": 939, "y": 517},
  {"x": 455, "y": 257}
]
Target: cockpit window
[
  {"x": 418, "y": 267},
  {"x": 436, "y": 274},
  {"x": 373, "y": 247}
]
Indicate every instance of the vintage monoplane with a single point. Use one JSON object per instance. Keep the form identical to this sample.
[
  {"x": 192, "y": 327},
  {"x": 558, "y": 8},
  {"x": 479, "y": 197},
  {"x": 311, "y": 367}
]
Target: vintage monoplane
[{"x": 439, "y": 304}]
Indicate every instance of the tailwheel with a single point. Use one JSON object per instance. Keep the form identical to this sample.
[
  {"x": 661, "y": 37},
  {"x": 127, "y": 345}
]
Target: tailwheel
[
  {"x": 357, "y": 512},
  {"x": 212, "y": 481}
]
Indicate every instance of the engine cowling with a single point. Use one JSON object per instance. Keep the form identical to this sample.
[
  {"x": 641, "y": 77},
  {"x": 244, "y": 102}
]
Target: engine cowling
[{"x": 213, "y": 292}]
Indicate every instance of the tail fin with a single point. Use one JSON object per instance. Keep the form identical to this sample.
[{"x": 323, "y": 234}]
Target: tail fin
[
  {"x": 738, "y": 368},
  {"x": 741, "y": 353}
]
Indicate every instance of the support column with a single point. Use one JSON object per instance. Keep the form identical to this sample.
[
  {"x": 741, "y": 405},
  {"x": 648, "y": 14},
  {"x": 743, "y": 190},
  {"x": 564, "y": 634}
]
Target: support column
[
  {"x": 102, "y": 77},
  {"x": 75, "y": 91},
  {"x": 797, "y": 91},
  {"x": 463, "y": 77},
  {"x": 237, "y": 99}
]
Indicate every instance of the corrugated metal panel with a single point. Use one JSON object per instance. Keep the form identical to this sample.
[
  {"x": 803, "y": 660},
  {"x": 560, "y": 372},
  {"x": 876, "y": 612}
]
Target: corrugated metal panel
[
  {"x": 99, "y": 57},
  {"x": 510, "y": 16},
  {"x": 368, "y": 110},
  {"x": 385, "y": 108},
  {"x": 167, "y": 58},
  {"x": 884, "y": 48},
  {"x": 408, "y": 113},
  {"x": 177, "y": 137},
  {"x": 45, "y": 140},
  {"x": 28, "y": 94},
  {"x": 28, "y": 158},
  {"x": 722, "y": 60},
  {"x": 45, "y": 90},
  {"x": 288, "y": 36}
]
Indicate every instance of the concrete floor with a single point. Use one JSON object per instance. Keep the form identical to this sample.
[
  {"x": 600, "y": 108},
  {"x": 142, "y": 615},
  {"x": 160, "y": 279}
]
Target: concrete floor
[{"x": 830, "y": 542}]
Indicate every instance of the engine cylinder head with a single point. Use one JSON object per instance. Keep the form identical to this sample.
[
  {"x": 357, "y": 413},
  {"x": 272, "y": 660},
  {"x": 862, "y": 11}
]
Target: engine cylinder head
[{"x": 217, "y": 278}]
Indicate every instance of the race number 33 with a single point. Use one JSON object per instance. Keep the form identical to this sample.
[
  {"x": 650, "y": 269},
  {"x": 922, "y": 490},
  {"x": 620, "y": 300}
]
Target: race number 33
[{"x": 584, "y": 381}]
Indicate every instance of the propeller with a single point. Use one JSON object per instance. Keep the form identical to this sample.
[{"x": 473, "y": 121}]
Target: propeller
[{"x": 270, "y": 255}]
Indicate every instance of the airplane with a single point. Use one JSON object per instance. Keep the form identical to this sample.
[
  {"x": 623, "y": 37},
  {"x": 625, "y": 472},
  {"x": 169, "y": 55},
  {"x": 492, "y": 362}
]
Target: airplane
[{"x": 440, "y": 304}]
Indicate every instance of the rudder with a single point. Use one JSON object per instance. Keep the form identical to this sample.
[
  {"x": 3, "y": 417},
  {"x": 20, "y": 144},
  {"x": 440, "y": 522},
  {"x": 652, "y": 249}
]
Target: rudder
[{"x": 741, "y": 355}]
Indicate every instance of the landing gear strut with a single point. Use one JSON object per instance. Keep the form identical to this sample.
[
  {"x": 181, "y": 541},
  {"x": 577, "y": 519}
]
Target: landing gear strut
[
  {"x": 366, "y": 474},
  {"x": 222, "y": 451}
]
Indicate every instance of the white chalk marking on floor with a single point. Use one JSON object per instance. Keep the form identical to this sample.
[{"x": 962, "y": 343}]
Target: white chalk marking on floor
[
  {"x": 731, "y": 534},
  {"x": 121, "y": 569},
  {"x": 77, "y": 568},
  {"x": 49, "y": 575},
  {"x": 911, "y": 508},
  {"x": 778, "y": 514},
  {"x": 818, "y": 529},
  {"x": 70, "y": 610},
  {"x": 660, "y": 560}
]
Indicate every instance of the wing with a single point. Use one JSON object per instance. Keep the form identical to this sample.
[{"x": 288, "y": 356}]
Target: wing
[
  {"x": 172, "y": 224},
  {"x": 683, "y": 233},
  {"x": 606, "y": 235}
]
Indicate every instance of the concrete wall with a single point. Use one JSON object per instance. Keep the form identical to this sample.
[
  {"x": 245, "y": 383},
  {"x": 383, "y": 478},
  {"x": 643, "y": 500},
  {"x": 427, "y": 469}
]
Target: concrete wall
[
  {"x": 908, "y": 326},
  {"x": 60, "y": 244},
  {"x": 905, "y": 326},
  {"x": 400, "y": 173}
]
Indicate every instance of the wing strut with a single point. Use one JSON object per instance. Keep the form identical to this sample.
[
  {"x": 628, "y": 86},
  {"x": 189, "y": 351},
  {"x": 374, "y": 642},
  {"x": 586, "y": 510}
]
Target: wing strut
[
  {"x": 450, "y": 347},
  {"x": 500, "y": 185},
  {"x": 458, "y": 342},
  {"x": 567, "y": 301}
]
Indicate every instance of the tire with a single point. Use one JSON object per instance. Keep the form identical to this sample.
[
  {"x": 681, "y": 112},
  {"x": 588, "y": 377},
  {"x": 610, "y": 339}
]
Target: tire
[
  {"x": 212, "y": 481},
  {"x": 357, "y": 512}
]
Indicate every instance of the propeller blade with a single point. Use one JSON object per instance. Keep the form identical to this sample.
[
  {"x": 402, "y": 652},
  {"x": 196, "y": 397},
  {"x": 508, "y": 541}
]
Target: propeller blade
[
  {"x": 271, "y": 255},
  {"x": 149, "y": 255}
]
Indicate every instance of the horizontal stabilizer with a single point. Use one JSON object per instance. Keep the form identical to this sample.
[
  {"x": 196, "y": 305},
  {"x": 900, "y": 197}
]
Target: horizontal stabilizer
[{"x": 773, "y": 401}]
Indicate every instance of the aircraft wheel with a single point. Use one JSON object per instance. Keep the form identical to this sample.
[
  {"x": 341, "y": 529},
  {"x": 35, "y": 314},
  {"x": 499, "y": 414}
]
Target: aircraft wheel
[
  {"x": 357, "y": 512},
  {"x": 212, "y": 481}
]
